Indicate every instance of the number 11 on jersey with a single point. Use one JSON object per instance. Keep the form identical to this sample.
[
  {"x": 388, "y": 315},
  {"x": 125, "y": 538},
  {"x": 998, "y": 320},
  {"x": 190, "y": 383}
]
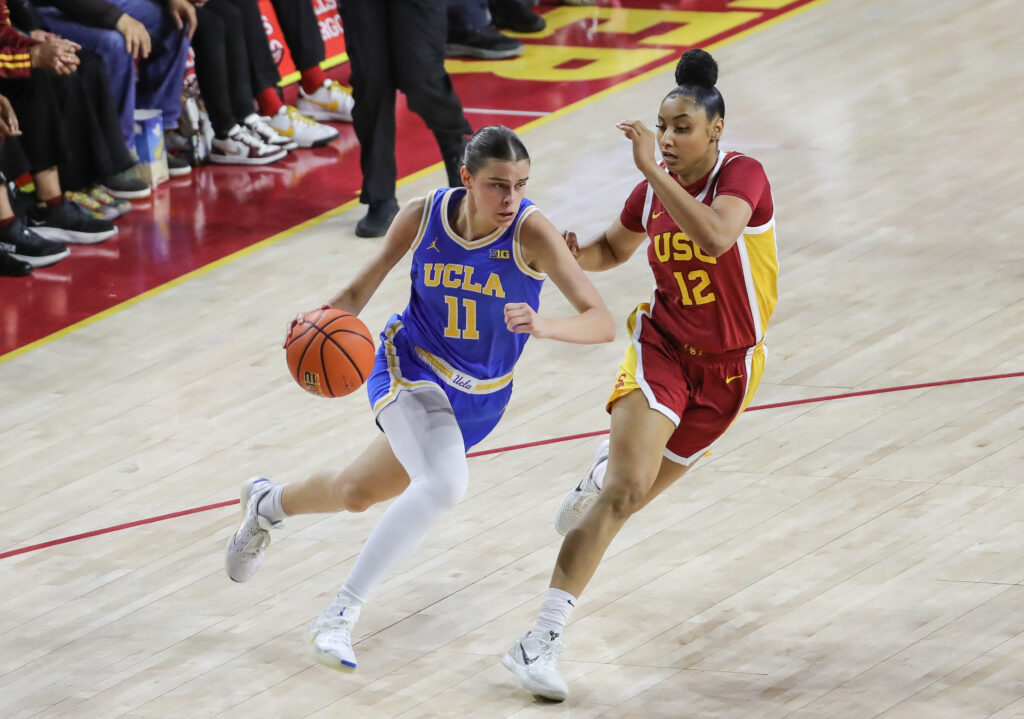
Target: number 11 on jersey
[{"x": 468, "y": 332}]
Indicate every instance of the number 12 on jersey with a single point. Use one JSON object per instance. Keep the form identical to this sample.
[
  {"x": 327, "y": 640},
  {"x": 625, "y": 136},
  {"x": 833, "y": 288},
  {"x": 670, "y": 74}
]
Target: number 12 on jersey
[{"x": 453, "y": 329}]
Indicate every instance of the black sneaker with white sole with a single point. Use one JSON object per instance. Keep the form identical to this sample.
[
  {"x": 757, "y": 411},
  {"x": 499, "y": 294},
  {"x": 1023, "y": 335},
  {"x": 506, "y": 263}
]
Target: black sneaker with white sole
[
  {"x": 11, "y": 266},
  {"x": 23, "y": 244},
  {"x": 67, "y": 223}
]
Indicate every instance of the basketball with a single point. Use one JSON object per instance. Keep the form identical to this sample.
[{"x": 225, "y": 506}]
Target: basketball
[{"x": 330, "y": 353}]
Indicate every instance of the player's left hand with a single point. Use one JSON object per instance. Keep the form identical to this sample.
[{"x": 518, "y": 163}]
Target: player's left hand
[
  {"x": 297, "y": 319},
  {"x": 520, "y": 317},
  {"x": 644, "y": 143}
]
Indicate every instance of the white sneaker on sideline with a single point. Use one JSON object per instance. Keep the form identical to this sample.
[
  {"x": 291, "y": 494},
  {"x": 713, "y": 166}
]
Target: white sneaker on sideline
[
  {"x": 250, "y": 541},
  {"x": 261, "y": 126},
  {"x": 331, "y": 635},
  {"x": 242, "y": 146},
  {"x": 331, "y": 103},
  {"x": 576, "y": 503},
  {"x": 304, "y": 130},
  {"x": 534, "y": 661}
]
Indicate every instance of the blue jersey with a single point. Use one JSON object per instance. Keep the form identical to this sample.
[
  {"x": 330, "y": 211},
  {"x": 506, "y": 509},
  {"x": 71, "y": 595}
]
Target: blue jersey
[
  {"x": 452, "y": 335},
  {"x": 456, "y": 313}
]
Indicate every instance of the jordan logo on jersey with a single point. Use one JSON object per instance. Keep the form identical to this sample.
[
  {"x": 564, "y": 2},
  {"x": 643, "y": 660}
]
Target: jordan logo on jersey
[{"x": 433, "y": 246}]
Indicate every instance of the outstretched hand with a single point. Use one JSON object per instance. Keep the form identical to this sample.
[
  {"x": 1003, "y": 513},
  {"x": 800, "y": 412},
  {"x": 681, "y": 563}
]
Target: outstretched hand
[{"x": 644, "y": 143}]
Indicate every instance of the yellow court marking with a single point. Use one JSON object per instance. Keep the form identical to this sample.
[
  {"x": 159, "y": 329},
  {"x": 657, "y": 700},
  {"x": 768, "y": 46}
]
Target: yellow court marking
[{"x": 561, "y": 112}]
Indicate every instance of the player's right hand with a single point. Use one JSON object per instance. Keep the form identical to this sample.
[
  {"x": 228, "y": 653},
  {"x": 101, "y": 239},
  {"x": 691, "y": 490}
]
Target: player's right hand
[
  {"x": 572, "y": 242},
  {"x": 296, "y": 320}
]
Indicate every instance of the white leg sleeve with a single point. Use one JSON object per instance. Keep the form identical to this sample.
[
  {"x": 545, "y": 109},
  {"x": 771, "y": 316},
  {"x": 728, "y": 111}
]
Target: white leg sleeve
[{"x": 426, "y": 439}]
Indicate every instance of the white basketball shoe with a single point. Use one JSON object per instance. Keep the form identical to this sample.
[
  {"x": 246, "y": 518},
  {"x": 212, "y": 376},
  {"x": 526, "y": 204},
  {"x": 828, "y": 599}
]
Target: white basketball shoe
[
  {"x": 534, "y": 661},
  {"x": 576, "y": 503},
  {"x": 250, "y": 541},
  {"x": 331, "y": 635}
]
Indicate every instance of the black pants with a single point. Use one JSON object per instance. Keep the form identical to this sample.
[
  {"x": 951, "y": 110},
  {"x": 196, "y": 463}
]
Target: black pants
[
  {"x": 43, "y": 137},
  {"x": 222, "y": 64},
  {"x": 301, "y": 32},
  {"x": 398, "y": 45}
]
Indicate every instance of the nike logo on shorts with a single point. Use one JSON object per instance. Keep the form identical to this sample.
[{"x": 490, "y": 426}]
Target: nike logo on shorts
[
  {"x": 656, "y": 215},
  {"x": 730, "y": 379}
]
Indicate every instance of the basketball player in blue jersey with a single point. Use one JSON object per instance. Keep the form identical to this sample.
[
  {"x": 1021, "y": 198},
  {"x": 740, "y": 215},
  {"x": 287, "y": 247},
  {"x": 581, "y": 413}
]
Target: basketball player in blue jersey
[{"x": 443, "y": 374}]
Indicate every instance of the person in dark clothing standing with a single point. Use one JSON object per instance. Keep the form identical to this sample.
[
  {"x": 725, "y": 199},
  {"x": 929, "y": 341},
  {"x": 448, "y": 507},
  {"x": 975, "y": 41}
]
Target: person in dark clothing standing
[{"x": 398, "y": 45}]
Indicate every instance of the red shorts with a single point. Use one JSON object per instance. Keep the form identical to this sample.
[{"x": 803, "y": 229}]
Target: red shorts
[{"x": 702, "y": 394}]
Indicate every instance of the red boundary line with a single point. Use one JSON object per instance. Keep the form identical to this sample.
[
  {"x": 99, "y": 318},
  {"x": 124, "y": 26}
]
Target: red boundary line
[{"x": 510, "y": 448}]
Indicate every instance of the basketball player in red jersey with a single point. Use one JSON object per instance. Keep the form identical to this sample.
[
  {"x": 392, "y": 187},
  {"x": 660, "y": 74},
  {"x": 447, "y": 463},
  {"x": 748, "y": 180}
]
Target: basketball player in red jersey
[{"x": 696, "y": 354}]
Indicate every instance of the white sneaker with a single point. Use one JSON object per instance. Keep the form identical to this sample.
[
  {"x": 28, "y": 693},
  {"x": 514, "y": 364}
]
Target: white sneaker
[
  {"x": 242, "y": 146},
  {"x": 269, "y": 135},
  {"x": 330, "y": 102},
  {"x": 534, "y": 661},
  {"x": 578, "y": 501},
  {"x": 305, "y": 131},
  {"x": 250, "y": 541},
  {"x": 331, "y": 635}
]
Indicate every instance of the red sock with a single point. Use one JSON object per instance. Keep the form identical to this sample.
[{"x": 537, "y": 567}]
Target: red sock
[
  {"x": 313, "y": 79},
  {"x": 55, "y": 201},
  {"x": 6, "y": 222},
  {"x": 269, "y": 102}
]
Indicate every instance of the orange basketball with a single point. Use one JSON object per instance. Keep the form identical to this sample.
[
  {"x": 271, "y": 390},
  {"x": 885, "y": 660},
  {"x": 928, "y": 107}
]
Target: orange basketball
[{"x": 330, "y": 353}]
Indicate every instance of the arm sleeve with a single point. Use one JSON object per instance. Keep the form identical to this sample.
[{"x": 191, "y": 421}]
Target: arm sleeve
[{"x": 631, "y": 216}]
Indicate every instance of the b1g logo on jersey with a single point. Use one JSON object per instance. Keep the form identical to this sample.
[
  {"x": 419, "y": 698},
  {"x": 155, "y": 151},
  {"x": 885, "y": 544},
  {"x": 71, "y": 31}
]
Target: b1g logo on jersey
[{"x": 499, "y": 255}]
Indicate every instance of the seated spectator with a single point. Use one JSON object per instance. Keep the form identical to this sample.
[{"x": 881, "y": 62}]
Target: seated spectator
[
  {"x": 222, "y": 69},
  {"x": 97, "y": 150},
  {"x": 154, "y": 34},
  {"x": 25, "y": 64}
]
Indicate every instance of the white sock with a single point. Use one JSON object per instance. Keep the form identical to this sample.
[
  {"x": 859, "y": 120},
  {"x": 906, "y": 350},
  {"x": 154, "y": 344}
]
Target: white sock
[
  {"x": 554, "y": 612},
  {"x": 354, "y": 600},
  {"x": 270, "y": 505}
]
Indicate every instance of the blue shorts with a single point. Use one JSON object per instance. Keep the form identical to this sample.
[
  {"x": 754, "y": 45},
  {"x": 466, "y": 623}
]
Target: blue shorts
[{"x": 398, "y": 367}]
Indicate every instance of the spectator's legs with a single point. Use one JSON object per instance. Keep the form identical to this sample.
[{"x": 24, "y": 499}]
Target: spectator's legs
[
  {"x": 237, "y": 56},
  {"x": 94, "y": 138},
  {"x": 417, "y": 42},
  {"x": 262, "y": 65},
  {"x": 162, "y": 73},
  {"x": 210, "y": 45},
  {"x": 301, "y": 31},
  {"x": 43, "y": 136},
  {"x": 109, "y": 44}
]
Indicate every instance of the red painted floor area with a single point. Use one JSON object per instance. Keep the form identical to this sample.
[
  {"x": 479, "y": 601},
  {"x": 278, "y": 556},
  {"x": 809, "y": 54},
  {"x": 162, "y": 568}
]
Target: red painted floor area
[{"x": 193, "y": 221}]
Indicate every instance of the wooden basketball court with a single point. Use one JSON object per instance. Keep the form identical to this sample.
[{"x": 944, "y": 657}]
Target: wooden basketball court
[{"x": 856, "y": 557}]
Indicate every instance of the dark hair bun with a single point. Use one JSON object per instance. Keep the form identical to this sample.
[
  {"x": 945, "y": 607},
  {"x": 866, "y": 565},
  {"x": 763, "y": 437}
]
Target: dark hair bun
[{"x": 697, "y": 67}]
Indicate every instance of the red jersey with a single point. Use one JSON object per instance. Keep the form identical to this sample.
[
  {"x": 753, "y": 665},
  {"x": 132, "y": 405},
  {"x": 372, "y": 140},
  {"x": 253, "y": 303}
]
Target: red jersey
[{"x": 704, "y": 303}]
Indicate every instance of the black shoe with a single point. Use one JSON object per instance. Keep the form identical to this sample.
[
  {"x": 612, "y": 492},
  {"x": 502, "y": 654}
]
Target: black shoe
[
  {"x": 25, "y": 245},
  {"x": 125, "y": 185},
  {"x": 485, "y": 43},
  {"x": 11, "y": 266},
  {"x": 514, "y": 15},
  {"x": 177, "y": 166},
  {"x": 67, "y": 223},
  {"x": 378, "y": 219}
]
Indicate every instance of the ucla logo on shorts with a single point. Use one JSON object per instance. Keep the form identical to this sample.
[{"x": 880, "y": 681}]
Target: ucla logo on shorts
[{"x": 499, "y": 255}]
